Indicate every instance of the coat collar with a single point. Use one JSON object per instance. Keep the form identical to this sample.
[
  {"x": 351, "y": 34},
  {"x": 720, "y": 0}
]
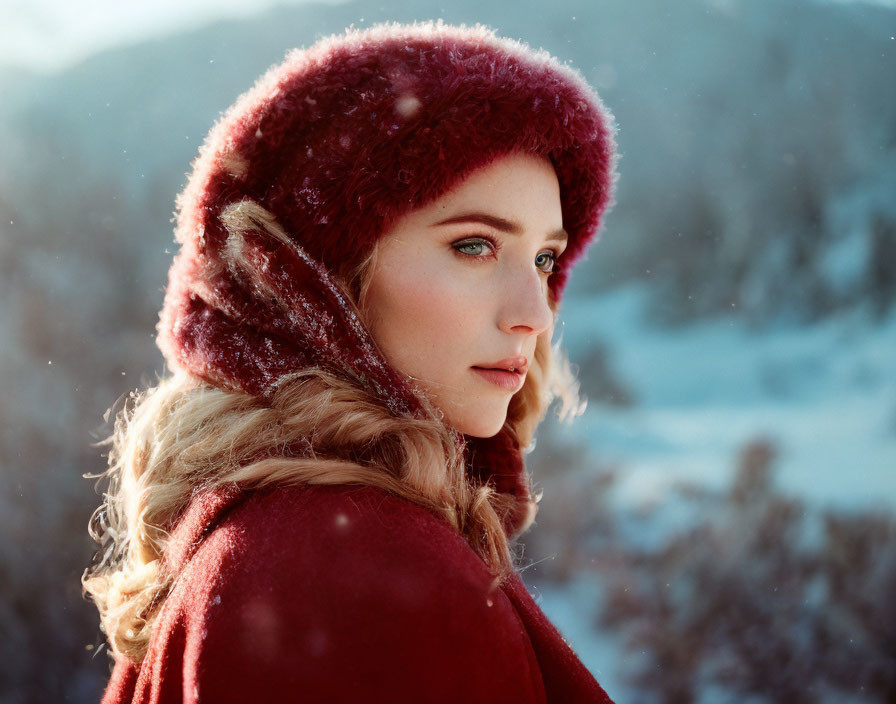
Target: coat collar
[
  {"x": 204, "y": 512},
  {"x": 499, "y": 461}
]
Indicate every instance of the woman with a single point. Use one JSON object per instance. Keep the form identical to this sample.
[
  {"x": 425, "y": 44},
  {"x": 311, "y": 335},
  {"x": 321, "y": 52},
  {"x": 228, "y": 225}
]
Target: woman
[{"x": 317, "y": 504}]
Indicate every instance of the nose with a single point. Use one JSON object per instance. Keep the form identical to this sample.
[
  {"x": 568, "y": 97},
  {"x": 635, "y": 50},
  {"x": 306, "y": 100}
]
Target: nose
[{"x": 524, "y": 303}]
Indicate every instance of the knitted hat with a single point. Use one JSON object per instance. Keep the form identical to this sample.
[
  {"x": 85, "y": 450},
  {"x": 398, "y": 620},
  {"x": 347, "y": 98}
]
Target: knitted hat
[{"x": 337, "y": 142}]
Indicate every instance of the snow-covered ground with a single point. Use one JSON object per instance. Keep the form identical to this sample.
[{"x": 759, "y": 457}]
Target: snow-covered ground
[{"x": 824, "y": 394}]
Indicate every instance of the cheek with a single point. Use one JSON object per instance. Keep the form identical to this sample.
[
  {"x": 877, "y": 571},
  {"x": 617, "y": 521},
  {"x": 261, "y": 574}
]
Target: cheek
[{"x": 417, "y": 306}]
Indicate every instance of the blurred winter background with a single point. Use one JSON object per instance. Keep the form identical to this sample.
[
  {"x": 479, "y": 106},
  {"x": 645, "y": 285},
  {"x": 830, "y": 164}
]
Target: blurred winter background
[{"x": 720, "y": 525}]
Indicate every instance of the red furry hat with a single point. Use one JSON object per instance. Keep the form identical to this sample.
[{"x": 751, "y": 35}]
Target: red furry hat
[{"x": 337, "y": 142}]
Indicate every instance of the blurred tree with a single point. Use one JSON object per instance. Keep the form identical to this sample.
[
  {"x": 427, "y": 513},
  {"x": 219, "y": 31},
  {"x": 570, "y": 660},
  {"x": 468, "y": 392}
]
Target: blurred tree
[{"x": 750, "y": 600}]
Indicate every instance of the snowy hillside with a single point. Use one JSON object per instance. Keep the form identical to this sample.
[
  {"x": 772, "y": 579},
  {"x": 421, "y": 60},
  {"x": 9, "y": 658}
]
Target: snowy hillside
[{"x": 823, "y": 393}]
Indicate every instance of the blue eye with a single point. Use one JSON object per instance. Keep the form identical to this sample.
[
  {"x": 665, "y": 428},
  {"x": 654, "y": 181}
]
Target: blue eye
[
  {"x": 462, "y": 247},
  {"x": 480, "y": 242},
  {"x": 545, "y": 261},
  {"x": 551, "y": 261}
]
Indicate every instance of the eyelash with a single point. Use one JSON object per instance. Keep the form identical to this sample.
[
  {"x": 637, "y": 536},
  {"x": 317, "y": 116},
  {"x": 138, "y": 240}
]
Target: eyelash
[{"x": 496, "y": 246}]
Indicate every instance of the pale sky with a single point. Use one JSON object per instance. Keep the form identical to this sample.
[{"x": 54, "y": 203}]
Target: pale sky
[{"x": 48, "y": 35}]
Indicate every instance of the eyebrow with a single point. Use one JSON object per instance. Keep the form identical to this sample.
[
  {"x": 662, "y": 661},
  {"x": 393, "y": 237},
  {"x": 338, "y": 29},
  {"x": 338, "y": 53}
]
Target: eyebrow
[{"x": 499, "y": 223}]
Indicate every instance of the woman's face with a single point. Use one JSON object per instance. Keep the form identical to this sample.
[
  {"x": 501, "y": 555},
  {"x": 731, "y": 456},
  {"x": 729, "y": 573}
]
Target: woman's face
[{"x": 461, "y": 285}]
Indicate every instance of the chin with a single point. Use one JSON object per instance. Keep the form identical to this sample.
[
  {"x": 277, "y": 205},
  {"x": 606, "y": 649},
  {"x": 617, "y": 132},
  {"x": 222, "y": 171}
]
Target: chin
[
  {"x": 483, "y": 434},
  {"x": 486, "y": 424}
]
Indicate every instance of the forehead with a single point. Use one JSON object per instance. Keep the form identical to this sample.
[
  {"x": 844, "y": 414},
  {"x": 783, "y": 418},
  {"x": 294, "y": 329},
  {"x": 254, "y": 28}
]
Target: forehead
[
  {"x": 515, "y": 188},
  {"x": 506, "y": 172}
]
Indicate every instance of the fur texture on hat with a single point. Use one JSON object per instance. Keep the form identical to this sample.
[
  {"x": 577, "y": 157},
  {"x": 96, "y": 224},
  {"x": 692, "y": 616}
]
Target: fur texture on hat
[{"x": 337, "y": 142}]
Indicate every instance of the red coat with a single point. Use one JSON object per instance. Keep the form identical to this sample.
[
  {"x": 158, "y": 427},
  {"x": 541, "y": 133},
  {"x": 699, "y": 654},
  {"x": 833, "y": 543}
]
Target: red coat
[{"x": 342, "y": 594}]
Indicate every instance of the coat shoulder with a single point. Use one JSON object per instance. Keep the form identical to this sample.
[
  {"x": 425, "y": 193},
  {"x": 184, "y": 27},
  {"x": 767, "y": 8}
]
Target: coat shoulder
[
  {"x": 348, "y": 591},
  {"x": 338, "y": 533}
]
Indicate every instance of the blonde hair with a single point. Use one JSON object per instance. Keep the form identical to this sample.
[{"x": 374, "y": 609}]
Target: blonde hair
[{"x": 184, "y": 434}]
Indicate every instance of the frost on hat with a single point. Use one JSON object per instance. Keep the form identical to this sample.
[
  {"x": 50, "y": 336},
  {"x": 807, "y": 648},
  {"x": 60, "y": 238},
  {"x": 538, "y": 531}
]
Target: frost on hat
[{"x": 337, "y": 142}]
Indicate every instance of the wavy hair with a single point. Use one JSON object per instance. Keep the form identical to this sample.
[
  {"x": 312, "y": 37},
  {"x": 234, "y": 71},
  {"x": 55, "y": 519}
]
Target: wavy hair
[{"x": 184, "y": 434}]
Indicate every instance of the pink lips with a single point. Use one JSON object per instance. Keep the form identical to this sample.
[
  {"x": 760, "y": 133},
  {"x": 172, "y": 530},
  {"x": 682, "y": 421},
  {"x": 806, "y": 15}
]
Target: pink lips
[{"x": 499, "y": 372}]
